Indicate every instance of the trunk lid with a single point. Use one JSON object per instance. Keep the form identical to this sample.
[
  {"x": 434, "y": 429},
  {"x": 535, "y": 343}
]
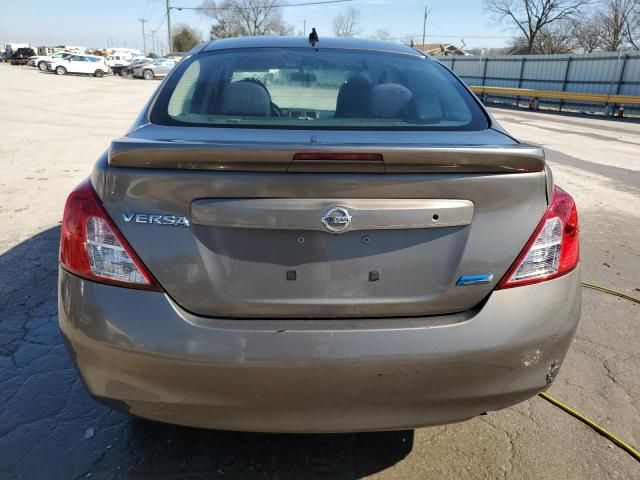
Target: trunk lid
[{"x": 387, "y": 232}]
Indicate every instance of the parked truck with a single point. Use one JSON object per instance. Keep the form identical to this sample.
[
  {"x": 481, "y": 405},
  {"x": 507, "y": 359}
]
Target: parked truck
[{"x": 20, "y": 56}]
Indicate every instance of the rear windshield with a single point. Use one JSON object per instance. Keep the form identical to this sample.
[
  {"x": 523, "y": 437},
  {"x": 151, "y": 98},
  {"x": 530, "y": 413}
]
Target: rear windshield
[{"x": 316, "y": 89}]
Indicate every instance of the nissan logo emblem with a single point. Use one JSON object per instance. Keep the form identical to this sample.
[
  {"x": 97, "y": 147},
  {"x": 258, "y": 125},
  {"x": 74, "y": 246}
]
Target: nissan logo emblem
[{"x": 336, "y": 219}]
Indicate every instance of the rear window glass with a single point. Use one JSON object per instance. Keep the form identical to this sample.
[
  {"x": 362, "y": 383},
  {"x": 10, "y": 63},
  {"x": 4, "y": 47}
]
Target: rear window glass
[{"x": 315, "y": 89}]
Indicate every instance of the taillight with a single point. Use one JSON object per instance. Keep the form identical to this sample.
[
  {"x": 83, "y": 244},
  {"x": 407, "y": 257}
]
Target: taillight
[
  {"x": 92, "y": 247},
  {"x": 553, "y": 249},
  {"x": 368, "y": 157}
]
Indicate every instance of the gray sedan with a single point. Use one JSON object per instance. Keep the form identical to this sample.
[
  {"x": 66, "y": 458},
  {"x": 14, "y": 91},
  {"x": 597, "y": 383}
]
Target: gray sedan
[
  {"x": 320, "y": 236},
  {"x": 156, "y": 69}
]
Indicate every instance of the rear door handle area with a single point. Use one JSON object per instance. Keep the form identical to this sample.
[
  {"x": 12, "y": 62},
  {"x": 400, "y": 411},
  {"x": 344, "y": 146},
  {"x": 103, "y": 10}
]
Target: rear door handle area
[{"x": 308, "y": 214}]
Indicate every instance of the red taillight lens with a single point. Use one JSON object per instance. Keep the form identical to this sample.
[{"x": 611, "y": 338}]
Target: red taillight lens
[
  {"x": 91, "y": 245},
  {"x": 553, "y": 249},
  {"x": 365, "y": 157}
]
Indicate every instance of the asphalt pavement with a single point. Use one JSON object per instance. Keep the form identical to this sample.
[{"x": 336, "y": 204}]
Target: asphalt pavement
[{"x": 51, "y": 131}]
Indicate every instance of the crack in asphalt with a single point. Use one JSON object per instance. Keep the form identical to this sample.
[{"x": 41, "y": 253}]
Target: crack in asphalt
[
  {"x": 512, "y": 447},
  {"x": 527, "y": 414},
  {"x": 612, "y": 376}
]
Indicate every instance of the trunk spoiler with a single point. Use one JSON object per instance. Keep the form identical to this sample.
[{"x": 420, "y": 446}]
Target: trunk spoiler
[{"x": 270, "y": 157}]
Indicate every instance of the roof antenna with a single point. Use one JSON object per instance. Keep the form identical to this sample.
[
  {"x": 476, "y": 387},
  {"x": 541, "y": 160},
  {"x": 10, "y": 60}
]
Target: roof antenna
[{"x": 313, "y": 37}]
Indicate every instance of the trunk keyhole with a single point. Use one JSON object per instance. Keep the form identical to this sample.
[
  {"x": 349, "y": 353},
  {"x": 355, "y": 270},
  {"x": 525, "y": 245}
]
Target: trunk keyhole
[
  {"x": 436, "y": 216},
  {"x": 366, "y": 239}
]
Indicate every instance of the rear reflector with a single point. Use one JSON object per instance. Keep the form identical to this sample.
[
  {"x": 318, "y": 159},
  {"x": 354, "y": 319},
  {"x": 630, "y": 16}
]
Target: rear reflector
[
  {"x": 92, "y": 247},
  {"x": 553, "y": 249}
]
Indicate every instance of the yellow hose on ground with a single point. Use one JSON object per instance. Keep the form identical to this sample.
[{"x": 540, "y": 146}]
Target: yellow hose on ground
[
  {"x": 611, "y": 292},
  {"x": 602, "y": 431},
  {"x": 605, "y": 433}
]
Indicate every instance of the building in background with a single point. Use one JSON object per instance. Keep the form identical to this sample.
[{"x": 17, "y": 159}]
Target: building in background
[
  {"x": 440, "y": 49},
  {"x": 13, "y": 47},
  {"x": 60, "y": 48}
]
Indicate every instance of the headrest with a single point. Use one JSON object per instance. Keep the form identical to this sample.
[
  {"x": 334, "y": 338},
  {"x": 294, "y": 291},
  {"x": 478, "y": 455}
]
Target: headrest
[
  {"x": 388, "y": 100},
  {"x": 245, "y": 97}
]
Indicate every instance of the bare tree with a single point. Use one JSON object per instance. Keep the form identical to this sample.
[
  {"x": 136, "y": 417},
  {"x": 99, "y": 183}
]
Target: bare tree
[
  {"x": 530, "y": 17},
  {"x": 381, "y": 34},
  {"x": 616, "y": 18},
  {"x": 555, "y": 38},
  {"x": 347, "y": 24},
  {"x": 633, "y": 28},
  {"x": 632, "y": 34},
  {"x": 234, "y": 18},
  {"x": 586, "y": 34}
]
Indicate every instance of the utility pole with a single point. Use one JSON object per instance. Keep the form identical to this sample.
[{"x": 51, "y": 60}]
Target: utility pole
[
  {"x": 169, "y": 24},
  {"x": 424, "y": 25},
  {"x": 153, "y": 41},
  {"x": 144, "y": 38},
  {"x": 304, "y": 28}
]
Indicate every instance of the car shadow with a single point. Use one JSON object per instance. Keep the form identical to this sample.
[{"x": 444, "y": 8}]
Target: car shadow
[
  {"x": 169, "y": 451},
  {"x": 50, "y": 427}
]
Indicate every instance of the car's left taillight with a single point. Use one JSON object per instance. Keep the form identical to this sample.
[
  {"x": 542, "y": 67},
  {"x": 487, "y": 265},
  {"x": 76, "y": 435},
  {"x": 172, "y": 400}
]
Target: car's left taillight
[
  {"x": 553, "y": 249},
  {"x": 92, "y": 247}
]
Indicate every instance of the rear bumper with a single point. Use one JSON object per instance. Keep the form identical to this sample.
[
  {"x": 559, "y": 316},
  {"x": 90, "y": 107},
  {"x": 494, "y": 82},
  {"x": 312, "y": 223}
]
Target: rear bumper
[{"x": 139, "y": 352}]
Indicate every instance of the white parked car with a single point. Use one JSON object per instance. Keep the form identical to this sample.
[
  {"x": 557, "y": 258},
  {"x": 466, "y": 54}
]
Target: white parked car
[
  {"x": 87, "y": 64},
  {"x": 118, "y": 60},
  {"x": 40, "y": 61}
]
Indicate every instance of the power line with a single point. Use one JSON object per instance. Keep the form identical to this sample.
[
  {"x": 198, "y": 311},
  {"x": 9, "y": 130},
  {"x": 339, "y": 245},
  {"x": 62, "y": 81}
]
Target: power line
[
  {"x": 161, "y": 22},
  {"x": 282, "y": 5},
  {"x": 149, "y": 8}
]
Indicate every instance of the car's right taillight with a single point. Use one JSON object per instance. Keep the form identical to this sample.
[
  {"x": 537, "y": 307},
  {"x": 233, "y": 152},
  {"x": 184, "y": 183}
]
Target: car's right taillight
[
  {"x": 92, "y": 247},
  {"x": 553, "y": 249}
]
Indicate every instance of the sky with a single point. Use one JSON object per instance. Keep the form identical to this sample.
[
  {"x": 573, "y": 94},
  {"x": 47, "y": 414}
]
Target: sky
[{"x": 95, "y": 24}]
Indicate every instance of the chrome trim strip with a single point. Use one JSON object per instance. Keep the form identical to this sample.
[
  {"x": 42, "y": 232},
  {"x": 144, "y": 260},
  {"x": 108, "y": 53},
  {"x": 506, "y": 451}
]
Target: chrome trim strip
[{"x": 307, "y": 213}]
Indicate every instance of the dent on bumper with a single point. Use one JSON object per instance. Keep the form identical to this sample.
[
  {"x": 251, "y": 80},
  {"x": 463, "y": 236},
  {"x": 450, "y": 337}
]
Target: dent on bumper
[{"x": 140, "y": 352}]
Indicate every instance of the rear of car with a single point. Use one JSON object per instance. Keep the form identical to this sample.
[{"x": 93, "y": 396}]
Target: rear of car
[
  {"x": 312, "y": 239},
  {"x": 99, "y": 67}
]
